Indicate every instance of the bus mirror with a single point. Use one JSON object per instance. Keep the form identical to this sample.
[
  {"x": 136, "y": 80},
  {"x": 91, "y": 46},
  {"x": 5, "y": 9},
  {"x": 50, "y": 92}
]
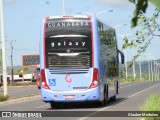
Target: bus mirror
[
  {"x": 122, "y": 56},
  {"x": 122, "y": 60}
]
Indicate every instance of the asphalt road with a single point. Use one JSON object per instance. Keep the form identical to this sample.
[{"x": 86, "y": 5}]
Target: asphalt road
[
  {"x": 21, "y": 91},
  {"x": 131, "y": 98}
]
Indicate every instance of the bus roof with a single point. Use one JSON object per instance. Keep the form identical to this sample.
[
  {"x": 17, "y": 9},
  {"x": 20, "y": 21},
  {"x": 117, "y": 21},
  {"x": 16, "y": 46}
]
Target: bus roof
[{"x": 74, "y": 16}]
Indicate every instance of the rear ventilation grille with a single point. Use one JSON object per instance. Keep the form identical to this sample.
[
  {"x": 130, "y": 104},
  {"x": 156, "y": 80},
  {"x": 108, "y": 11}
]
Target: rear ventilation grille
[
  {"x": 81, "y": 60},
  {"x": 68, "y": 71}
]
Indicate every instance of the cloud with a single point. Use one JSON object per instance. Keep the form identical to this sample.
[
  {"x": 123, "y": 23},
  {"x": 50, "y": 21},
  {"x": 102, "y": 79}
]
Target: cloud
[
  {"x": 11, "y": 1},
  {"x": 114, "y": 2}
]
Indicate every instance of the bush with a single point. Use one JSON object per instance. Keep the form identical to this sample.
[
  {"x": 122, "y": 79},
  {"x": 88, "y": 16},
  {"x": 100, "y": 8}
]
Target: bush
[
  {"x": 3, "y": 97},
  {"x": 152, "y": 104}
]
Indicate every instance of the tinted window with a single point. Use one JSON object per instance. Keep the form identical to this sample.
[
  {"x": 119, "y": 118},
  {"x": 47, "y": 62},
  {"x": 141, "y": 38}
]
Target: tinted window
[{"x": 68, "y": 36}]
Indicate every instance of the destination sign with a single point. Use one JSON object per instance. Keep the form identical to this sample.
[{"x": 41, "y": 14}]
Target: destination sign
[{"x": 68, "y": 34}]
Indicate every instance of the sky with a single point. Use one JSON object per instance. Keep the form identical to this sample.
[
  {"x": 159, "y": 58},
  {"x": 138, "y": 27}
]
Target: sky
[{"x": 23, "y": 19}]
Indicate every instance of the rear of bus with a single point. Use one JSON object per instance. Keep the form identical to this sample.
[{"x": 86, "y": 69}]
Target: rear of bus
[{"x": 69, "y": 71}]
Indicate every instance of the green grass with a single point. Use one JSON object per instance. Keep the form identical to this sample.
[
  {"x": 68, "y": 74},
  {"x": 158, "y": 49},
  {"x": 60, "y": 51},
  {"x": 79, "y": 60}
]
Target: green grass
[
  {"x": 151, "y": 104},
  {"x": 130, "y": 79},
  {"x": 3, "y": 97}
]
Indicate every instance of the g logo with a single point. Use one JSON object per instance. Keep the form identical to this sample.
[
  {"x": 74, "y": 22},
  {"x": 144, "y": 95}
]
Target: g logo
[{"x": 68, "y": 79}]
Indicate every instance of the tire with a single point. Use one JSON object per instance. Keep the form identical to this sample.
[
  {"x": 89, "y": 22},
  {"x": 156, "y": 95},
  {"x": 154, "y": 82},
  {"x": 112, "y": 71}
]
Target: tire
[
  {"x": 113, "y": 98},
  {"x": 105, "y": 98},
  {"x": 104, "y": 102},
  {"x": 54, "y": 105},
  {"x": 117, "y": 89}
]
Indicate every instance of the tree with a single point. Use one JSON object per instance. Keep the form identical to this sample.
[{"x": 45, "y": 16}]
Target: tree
[
  {"x": 141, "y": 6},
  {"x": 150, "y": 28}
]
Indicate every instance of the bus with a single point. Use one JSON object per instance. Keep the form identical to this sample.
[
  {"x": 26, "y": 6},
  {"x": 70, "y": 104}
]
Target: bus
[{"x": 79, "y": 60}]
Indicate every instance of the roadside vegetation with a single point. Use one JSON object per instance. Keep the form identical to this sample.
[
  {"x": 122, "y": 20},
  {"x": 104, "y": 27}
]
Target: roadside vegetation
[
  {"x": 131, "y": 79},
  {"x": 151, "y": 104},
  {"x": 3, "y": 97}
]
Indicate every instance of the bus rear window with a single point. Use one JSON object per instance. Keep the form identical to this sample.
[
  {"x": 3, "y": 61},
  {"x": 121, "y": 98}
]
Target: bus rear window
[{"x": 68, "y": 36}]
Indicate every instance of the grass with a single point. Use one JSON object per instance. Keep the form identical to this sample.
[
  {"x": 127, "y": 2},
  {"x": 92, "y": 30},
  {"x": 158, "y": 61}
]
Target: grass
[
  {"x": 3, "y": 97},
  {"x": 130, "y": 79},
  {"x": 151, "y": 104}
]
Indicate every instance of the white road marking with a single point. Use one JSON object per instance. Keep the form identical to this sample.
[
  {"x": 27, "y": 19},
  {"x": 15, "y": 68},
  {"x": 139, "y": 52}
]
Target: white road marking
[
  {"x": 143, "y": 90},
  {"x": 83, "y": 118}
]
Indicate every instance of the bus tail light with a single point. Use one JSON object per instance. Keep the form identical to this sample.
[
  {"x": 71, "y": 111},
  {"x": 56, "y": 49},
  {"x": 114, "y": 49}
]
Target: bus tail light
[
  {"x": 95, "y": 78},
  {"x": 44, "y": 82}
]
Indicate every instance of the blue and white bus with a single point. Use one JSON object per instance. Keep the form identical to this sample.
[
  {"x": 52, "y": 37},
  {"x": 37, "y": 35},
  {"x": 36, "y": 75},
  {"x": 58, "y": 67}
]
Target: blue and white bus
[{"x": 78, "y": 60}]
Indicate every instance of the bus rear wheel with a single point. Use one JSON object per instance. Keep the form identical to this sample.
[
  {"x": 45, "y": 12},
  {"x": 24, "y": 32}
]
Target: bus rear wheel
[
  {"x": 54, "y": 105},
  {"x": 104, "y": 102},
  {"x": 113, "y": 98}
]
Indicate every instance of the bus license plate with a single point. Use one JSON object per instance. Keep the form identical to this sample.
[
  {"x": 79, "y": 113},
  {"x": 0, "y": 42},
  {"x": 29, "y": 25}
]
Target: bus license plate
[{"x": 69, "y": 97}]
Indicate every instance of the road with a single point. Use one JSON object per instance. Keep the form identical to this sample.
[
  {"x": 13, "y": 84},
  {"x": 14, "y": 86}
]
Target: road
[
  {"x": 131, "y": 98},
  {"x": 21, "y": 91}
]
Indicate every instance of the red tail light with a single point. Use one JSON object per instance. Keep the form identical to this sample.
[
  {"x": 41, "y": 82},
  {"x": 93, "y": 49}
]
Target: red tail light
[
  {"x": 95, "y": 78},
  {"x": 44, "y": 82}
]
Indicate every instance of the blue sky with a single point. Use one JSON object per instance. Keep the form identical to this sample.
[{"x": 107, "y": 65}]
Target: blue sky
[{"x": 23, "y": 20}]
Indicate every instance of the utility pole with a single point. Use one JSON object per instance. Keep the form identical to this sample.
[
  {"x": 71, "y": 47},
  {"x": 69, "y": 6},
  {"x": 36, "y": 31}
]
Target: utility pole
[
  {"x": 133, "y": 66},
  {"x": 158, "y": 71},
  {"x": 11, "y": 56},
  {"x": 126, "y": 67},
  {"x": 140, "y": 71},
  {"x": 149, "y": 71},
  {"x": 64, "y": 13},
  {"x": 152, "y": 69},
  {"x": 4, "y": 70}
]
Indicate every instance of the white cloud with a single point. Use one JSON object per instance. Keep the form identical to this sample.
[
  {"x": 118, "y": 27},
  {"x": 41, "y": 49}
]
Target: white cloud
[{"x": 114, "y": 2}]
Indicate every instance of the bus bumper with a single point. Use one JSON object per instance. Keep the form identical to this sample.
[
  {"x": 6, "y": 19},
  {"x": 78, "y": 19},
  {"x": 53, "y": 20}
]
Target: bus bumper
[{"x": 71, "y": 96}]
